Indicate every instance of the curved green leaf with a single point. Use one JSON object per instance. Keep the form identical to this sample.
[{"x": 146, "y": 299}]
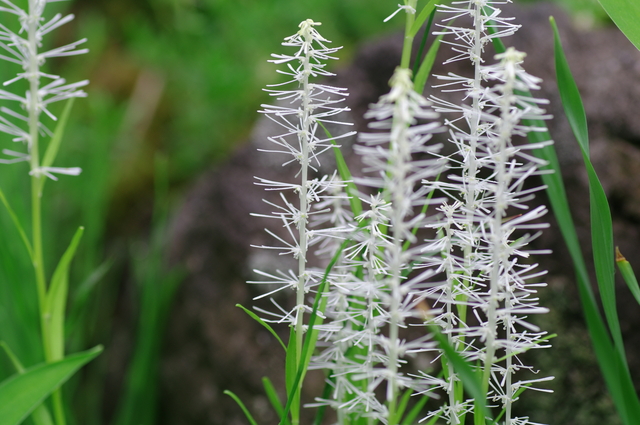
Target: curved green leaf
[
  {"x": 22, "y": 393},
  {"x": 626, "y": 15},
  {"x": 56, "y": 301}
]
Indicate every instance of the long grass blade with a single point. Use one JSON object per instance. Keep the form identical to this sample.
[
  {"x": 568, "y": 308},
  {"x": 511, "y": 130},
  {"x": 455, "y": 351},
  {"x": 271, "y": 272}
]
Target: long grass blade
[
  {"x": 601, "y": 224},
  {"x": 612, "y": 359},
  {"x": 427, "y": 64},
  {"x": 246, "y": 412},
  {"x": 16, "y": 223},
  {"x": 263, "y": 323}
]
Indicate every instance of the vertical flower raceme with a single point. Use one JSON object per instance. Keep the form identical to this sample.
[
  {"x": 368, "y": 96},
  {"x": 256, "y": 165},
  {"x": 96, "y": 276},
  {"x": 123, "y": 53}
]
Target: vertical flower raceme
[
  {"x": 24, "y": 48},
  {"x": 488, "y": 293},
  {"x": 303, "y": 105},
  {"x": 383, "y": 296},
  {"x": 512, "y": 295}
]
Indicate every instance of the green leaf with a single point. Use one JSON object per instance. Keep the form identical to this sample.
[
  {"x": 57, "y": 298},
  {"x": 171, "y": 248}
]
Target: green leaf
[
  {"x": 611, "y": 358},
  {"x": 291, "y": 379},
  {"x": 427, "y": 64},
  {"x": 423, "y": 16},
  {"x": 56, "y": 301},
  {"x": 242, "y": 406},
  {"x": 40, "y": 415},
  {"x": 402, "y": 406},
  {"x": 472, "y": 383},
  {"x": 16, "y": 223},
  {"x": 601, "y": 225},
  {"x": 263, "y": 323},
  {"x": 272, "y": 395},
  {"x": 14, "y": 359},
  {"x": 22, "y": 393},
  {"x": 345, "y": 175},
  {"x": 628, "y": 275},
  {"x": 311, "y": 336},
  {"x": 55, "y": 142},
  {"x": 415, "y": 411},
  {"x": 626, "y": 15}
]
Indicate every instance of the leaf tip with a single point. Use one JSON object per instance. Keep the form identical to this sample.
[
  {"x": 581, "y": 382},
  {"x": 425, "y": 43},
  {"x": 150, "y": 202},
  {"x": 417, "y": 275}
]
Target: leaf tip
[{"x": 619, "y": 257}]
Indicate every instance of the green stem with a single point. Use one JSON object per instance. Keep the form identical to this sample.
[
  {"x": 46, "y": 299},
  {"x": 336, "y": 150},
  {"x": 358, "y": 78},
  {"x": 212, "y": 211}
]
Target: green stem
[
  {"x": 36, "y": 200},
  {"x": 408, "y": 38}
]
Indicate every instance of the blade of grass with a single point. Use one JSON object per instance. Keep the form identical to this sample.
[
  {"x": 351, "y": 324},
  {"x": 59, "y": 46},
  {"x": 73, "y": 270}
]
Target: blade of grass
[
  {"x": 424, "y": 14},
  {"x": 601, "y": 224},
  {"x": 472, "y": 383},
  {"x": 272, "y": 395},
  {"x": 618, "y": 379},
  {"x": 242, "y": 406},
  {"x": 345, "y": 175},
  {"x": 427, "y": 64},
  {"x": 415, "y": 411},
  {"x": 423, "y": 42},
  {"x": 16, "y": 222},
  {"x": 263, "y": 323},
  {"x": 628, "y": 275}
]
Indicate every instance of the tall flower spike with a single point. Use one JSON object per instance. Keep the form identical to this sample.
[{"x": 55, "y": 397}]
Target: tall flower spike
[
  {"x": 397, "y": 158},
  {"x": 302, "y": 106},
  {"x": 481, "y": 245},
  {"x": 23, "y": 48}
]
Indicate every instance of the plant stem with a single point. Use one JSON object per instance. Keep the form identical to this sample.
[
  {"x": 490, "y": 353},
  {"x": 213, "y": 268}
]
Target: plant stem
[{"x": 36, "y": 199}]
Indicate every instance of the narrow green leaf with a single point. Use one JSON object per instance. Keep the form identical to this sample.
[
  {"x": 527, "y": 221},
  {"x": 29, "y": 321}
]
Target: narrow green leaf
[
  {"x": 55, "y": 142},
  {"x": 14, "y": 359},
  {"x": 22, "y": 393},
  {"x": 56, "y": 301},
  {"x": 415, "y": 411},
  {"x": 611, "y": 358},
  {"x": 626, "y": 15},
  {"x": 16, "y": 223},
  {"x": 628, "y": 275},
  {"x": 427, "y": 64},
  {"x": 469, "y": 378},
  {"x": 402, "y": 406},
  {"x": 272, "y": 395},
  {"x": 263, "y": 323},
  {"x": 601, "y": 224},
  {"x": 291, "y": 378},
  {"x": 422, "y": 17},
  {"x": 345, "y": 175},
  {"x": 242, "y": 406}
]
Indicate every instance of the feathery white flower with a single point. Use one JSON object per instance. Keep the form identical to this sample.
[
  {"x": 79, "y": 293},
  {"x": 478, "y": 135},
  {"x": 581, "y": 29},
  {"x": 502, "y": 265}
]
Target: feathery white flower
[
  {"x": 302, "y": 106},
  {"x": 23, "y": 48}
]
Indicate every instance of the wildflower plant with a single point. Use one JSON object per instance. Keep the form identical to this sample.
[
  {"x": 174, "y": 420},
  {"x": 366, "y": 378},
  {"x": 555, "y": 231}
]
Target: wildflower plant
[
  {"x": 382, "y": 275},
  {"x": 302, "y": 109},
  {"x": 472, "y": 284},
  {"x": 24, "y": 123}
]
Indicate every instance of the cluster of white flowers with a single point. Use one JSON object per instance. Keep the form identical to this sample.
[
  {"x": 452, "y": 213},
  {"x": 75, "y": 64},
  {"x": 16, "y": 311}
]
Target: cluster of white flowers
[
  {"x": 23, "y": 47},
  {"x": 473, "y": 276}
]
